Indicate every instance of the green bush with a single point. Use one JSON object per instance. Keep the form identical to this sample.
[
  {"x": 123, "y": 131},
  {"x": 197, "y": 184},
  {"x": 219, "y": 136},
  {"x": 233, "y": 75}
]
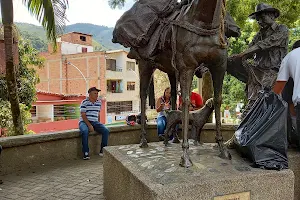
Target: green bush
[{"x": 6, "y": 121}]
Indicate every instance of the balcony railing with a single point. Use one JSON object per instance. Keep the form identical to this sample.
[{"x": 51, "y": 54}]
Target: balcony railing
[
  {"x": 115, "y": 69},
  {"x": 115, "y": 91}
]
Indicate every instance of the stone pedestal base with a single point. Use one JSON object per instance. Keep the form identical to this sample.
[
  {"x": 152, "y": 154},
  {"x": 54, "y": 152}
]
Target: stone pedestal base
[
  {"x": 154, "y": 173},
  {"x": 294, "y": 165}
]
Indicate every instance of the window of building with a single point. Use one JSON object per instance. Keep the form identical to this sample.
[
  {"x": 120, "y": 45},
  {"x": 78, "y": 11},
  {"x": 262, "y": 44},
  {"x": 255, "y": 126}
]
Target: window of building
[
  {"x": 84, "y": 49},
  {"x": 130, "y": 66},
  {"x": 119, "y": 106},
  {"x": 114, "y": 86},
  {"x": 83, "y": 38},
  {"x": 111, "y": 64},
  {"x": 130, "y": 85},
  {"x": 33, "y": 111}
]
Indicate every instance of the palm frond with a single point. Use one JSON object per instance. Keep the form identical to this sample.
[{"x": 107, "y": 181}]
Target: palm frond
[
  {"x": 51, "y": 14},
  {"x": 116, "y": 3}
]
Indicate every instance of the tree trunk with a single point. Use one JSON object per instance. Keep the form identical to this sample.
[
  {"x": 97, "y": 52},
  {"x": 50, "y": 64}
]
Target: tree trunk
[
  {"x": 207, "y": 89},
  {"x": 7, "y": 19}
]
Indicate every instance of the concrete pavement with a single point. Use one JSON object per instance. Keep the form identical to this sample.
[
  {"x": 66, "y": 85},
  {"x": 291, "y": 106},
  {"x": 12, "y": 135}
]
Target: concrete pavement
[{"x": 76, "y": 179}]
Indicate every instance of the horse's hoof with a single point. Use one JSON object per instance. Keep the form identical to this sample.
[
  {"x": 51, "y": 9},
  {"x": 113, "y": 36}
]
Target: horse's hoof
[
  {"x": 166, "y": 144},
  {"x": 176, "y": 140},
  {"x": 144, "y": 144},
  {"x": 230, "y": 144},
  {"x": 161, "y": 138},
  {"x": 196, "y": 143},
  {"x": 185, "y": 162}
]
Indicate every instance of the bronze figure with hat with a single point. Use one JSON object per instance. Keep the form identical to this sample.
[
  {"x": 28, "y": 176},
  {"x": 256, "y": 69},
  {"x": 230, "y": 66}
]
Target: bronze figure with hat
[
  {"x": 262, "y": 7},
  {"x": 259, "y": 64}
]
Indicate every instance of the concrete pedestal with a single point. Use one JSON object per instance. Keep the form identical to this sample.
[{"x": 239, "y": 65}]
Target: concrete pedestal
[
  {"x": 154, "y": 173},
  {"x": 294, "y": 165}
]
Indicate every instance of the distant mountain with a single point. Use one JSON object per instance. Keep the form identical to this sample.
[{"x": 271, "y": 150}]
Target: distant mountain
[{"x": 102, "y": 35}]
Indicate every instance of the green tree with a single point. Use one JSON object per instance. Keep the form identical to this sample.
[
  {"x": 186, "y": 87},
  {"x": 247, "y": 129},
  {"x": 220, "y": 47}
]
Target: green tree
[
  {"x": 234, "y": 90},
  {"x": 27, "y": 79},
  {"x": 97, "y": 46},
  {"x": 6, "y": 125},
  {"x": 237, "y": 45},
  {"x": 37, "y": 42},
  {"x": 289, "y": 9},
  {"x": 51, "y": 13},
  {"x": 116, "y": 3},
  {"x": 294, "y": 36},
  {"x": 26, "y": 76}
]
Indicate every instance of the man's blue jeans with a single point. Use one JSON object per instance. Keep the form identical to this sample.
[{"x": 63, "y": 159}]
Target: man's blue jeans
[{"x": 99, "y": 128}]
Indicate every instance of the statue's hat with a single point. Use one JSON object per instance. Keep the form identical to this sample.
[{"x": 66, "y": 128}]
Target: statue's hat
[{"x": 262, "y": 7}]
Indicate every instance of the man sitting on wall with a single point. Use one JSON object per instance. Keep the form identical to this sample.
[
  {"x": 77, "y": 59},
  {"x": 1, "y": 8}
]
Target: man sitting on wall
[{"x": 90, "y": 121}]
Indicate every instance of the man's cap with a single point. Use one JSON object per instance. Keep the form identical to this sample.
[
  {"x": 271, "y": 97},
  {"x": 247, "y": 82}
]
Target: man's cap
[
  {"x": 262, "y": 8},
  {"x": 93, "y": 89}
]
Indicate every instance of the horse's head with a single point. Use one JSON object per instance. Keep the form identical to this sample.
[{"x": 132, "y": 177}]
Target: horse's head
[
  {"x": 133, "y": 54},
  {"x": 231, "y": 28}
]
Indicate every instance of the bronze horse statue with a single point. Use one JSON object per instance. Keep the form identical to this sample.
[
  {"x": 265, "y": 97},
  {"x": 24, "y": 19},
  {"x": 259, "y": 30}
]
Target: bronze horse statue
[
  {"x": 162, "y": 61},
  {"x": 194, "y": 36},
  {"x": 201, "y": 40}
]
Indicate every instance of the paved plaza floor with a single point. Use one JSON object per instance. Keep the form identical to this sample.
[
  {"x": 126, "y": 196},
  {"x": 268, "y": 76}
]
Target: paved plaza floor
[{"x": 77, "y": 179}]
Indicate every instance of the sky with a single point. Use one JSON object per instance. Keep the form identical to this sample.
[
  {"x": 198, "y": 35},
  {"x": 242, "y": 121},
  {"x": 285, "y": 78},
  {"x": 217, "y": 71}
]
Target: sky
[{"x": 80, "y": 11}]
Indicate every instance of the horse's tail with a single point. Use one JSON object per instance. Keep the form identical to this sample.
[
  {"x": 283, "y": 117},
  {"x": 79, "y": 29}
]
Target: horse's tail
[{"x": 151, "y": 94}]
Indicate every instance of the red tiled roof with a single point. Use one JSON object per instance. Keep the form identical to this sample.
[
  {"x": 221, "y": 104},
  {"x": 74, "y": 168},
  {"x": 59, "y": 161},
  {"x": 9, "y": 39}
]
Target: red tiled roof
[{"x": 59, "y": 95}]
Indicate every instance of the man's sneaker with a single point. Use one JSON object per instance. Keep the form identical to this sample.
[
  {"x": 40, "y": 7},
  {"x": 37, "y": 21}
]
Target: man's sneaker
[
  {"x": 86, "y": 156},
  {"x": 101, "y": 152}
]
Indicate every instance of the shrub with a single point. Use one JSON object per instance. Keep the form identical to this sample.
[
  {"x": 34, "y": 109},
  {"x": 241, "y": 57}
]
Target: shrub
[{"x": 6, "y": 121}]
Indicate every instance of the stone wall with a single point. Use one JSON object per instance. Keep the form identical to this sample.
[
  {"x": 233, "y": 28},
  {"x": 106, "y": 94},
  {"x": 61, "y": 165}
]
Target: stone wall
[{"x": 33, "y": 151}]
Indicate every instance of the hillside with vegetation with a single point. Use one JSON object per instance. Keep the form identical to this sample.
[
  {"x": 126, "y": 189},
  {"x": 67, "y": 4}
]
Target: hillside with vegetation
[{"x": 102, "y": 35}]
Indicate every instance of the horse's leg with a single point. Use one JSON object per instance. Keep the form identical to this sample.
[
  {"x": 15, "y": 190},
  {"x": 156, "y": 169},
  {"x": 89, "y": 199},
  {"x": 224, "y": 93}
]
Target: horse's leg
[
  {"x": 218, "y": 73},
  {"x": 169, "y": 128},
  {"x": 173, "y": 82},
  {"x": 145, "y": 72},
  {"x": 196, "y": 135},
  {"x": 186, "y": 77}
]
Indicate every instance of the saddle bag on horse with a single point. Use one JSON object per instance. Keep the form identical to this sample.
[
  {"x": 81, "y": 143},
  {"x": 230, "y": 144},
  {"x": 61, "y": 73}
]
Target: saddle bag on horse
[
  {"x": 136, "y": 25},
  {"x": 262, "y": 135}
]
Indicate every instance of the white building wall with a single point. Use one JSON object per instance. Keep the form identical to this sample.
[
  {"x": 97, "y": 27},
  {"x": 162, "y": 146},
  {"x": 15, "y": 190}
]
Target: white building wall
[
  {"x": 125, "y": 76},
  {"x": 45, "y": 112},
  {"x": 70, "y": 48}
]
